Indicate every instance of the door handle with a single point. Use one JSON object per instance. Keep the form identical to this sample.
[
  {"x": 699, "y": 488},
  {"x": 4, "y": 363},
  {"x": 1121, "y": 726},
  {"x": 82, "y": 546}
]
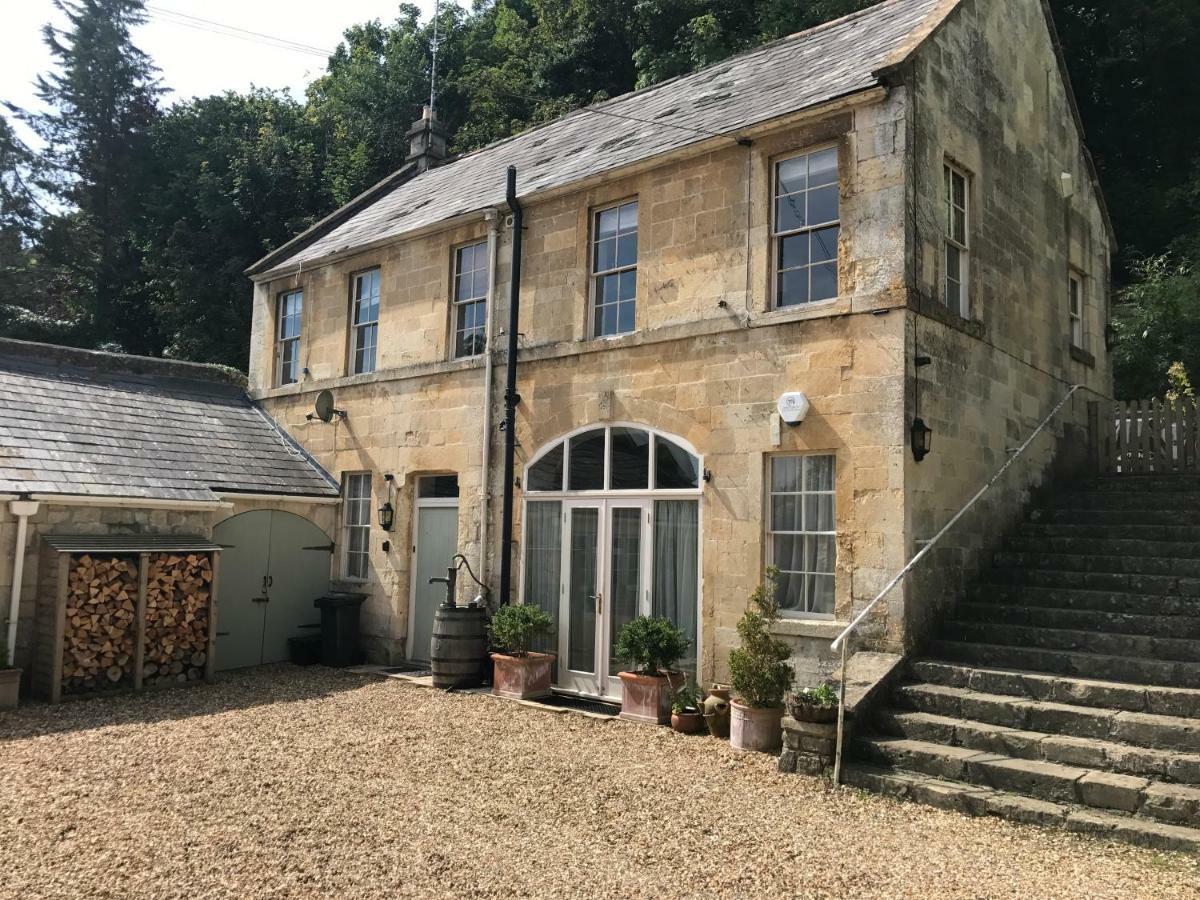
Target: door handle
[
  {"x": 260, "y": 599},
  {"x": 599, "y": 598}
]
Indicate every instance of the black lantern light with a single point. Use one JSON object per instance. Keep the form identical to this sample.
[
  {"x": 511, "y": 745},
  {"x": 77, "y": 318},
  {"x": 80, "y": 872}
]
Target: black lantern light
[
  {"x": 922, "y": 439},
  {"x": 387, "y": 516},
  {"x": 1110, "y": 337}
]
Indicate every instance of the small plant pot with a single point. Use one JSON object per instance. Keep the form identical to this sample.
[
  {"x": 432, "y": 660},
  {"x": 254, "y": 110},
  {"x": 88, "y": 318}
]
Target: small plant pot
[
  {"x": 808, "y": 712},
  {"x": 687, "y": 722},
  {"x": 758, "y": 730},
  {"x": 10, "y": 687},
  {"x": 522, "y": 677},
  {"x": 646, "y": 698},
  {"x": 716, "y": 712}
]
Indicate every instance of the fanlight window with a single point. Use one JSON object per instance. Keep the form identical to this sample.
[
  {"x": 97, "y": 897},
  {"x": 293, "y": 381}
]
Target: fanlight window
[{"x": 615, "y": 458}]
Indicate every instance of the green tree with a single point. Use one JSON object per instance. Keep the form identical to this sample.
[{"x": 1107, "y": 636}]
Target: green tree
[
  {"x": 101, "y": 100},
  {"x": 1158, "y": 324}
]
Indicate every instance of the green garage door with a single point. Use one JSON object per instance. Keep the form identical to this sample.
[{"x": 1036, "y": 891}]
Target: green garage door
[{"x": 273, "y": 566}]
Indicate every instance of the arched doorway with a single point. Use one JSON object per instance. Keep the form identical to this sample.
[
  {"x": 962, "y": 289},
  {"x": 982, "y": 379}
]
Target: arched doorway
[
  {"x": 611, "y": 532},
  {"x": 273, "y": 566}
]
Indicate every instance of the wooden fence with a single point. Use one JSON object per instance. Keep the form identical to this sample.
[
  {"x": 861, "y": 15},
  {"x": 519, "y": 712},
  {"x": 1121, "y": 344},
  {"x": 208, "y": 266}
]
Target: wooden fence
[{"x": 1141, "y": 437}]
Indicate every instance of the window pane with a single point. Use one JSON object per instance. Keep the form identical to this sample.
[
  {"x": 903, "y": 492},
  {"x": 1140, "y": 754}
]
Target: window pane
[
  {"x": 960, "y": 189},
  {"x": 824, "y": 282},
  {"x": 823, "y": 205},
  {"x": 676, "y": 531},
  {"x": 627, "y": 250},
  {"x": 675, "y": 468},
  {"x": 581, "y": 596},
  {"x": 628, "y": 216},
  {"x": 358, "y": 539},
  {"x": 953, "y": 263},
  {"x": 820, "y": 553},
  {"x": 628, "y": 285},
  {"x": 786, "y": 511},
  {"x": 606, "y": 255},
  {"x": 821, "y": 594},
  {"x": 356, "y": 565},
  {"x": 793, "y": 251},
  {"x": 818, "y": 512},
  {"x": 823, "y": 167},
  {"x": 818, "y": 473},
  {"x": 787, "y": 553},
  {"x": 825, "y": 244},
  {"x": 625, "y": 569},
  {"x": 359, "y": 487},
  {"x": 608, "y": 288},
  {"x": 630, "y": 459},
  {"x": 791, "y": 175},
  {"x": 606, "y": 320},
  {"x": 543, "y": 562},
  {"x": 793, "y": 287},
  {"x": 587, "y": 461},
  {"x": 547, "y": 473},
  {"x": 438, "y": 486},
  {"x": 606, "y": 223},
  {"x": 789, "y": 213},
  {"x": 785, "y": 473},
  {"x": 626, "y": 314}
]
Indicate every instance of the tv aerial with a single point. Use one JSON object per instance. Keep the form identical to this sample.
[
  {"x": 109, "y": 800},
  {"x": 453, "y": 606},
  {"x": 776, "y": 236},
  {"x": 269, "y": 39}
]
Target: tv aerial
[{"x": 325, "y": 410}]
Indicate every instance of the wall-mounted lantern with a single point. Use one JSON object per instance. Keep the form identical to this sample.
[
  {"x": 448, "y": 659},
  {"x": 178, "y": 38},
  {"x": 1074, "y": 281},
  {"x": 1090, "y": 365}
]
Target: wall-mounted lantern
[
  {"x": 922, "y": 439},
  {"x": 1110, "y": 337},
  {"x": 387, "y": 516}
]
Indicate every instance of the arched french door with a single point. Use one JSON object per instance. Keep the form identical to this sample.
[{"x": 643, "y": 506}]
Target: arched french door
[{"x": 611, "y": 532}]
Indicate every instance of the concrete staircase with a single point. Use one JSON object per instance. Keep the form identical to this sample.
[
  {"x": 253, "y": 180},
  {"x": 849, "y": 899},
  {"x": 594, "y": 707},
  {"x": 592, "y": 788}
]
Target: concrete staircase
[{"x": 1066, "y": 689}]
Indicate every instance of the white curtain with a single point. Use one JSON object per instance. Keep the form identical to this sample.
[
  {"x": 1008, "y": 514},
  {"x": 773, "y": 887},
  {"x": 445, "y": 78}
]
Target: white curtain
[
  {"x": 543, "y": 562},
  {"x": 676, "y": 572}
]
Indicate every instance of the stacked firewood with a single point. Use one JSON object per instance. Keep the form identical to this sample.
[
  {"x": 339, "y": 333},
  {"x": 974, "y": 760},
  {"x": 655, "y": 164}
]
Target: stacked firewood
[
  {"x": 101, "y": 623},
  {"x": 178, "y": 588}
]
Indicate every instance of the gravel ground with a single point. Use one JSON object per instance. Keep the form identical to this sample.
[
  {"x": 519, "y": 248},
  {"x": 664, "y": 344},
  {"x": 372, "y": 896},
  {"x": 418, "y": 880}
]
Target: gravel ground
[{"x": 303, "y": 782}]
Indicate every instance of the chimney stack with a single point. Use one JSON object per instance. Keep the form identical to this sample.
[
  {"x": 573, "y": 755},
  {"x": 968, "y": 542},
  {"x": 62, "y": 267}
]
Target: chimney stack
[{"x": 427, "y": 141}]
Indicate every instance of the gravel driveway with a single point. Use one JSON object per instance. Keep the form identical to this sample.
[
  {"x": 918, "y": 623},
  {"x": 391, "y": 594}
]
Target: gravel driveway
[{"x": 301, "y": 782}]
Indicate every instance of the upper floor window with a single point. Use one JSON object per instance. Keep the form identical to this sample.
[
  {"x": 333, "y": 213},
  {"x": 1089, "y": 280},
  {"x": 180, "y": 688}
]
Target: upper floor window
[
  {"x": 365, "y": 322},
  {"x": 470, "y": 300},
  {"x": 1075, "y": 309},
  {"x": 806, "y": 226},
  {"x": 802, "y": 533},
  {"x": 288, "y": 314},
  {"x": 614, "y": 269},
  {"x": 358, "y": 525},
  {"x": 957, "y": 243}
]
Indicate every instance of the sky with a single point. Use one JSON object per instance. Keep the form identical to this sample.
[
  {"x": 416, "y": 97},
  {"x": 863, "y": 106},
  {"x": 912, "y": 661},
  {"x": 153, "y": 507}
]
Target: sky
[{"x": 194, "y": 60}]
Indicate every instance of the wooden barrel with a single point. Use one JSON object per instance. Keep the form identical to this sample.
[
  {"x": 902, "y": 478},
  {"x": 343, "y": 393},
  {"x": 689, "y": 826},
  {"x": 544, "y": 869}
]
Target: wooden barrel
[{"x": 459, "y": 646}]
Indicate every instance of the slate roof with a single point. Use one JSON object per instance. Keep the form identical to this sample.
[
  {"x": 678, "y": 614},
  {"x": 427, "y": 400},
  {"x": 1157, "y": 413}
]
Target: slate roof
[
  {"x": 831, "y": 61},
  {"x": 98, "y": 424}
]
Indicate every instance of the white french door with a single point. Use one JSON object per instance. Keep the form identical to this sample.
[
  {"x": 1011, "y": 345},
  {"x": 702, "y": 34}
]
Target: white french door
[{"x": 605, "y": 582}]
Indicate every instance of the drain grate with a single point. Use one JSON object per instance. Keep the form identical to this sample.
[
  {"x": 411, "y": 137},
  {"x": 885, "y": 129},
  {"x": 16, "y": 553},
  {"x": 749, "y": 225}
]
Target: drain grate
[{"x": 580, "y": 704}]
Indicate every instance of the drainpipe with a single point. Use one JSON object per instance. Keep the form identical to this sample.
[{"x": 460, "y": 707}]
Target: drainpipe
[
  {"x": 485, "y": 499},
  {"x": 511, "y": 397},
  {"x": 22, "y": 509}
]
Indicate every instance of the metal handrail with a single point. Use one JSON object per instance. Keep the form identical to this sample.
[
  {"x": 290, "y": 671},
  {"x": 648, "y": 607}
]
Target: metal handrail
[{"x": 843, "y": 641}]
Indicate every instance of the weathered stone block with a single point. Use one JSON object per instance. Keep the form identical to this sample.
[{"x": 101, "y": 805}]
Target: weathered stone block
[{"x": 1110, "y": 791}]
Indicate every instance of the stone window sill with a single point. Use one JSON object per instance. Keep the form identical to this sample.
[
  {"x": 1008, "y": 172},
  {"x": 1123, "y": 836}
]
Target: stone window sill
[
  {"x": 1082, "y": 356},
  {"x": 821, "y": 629}
]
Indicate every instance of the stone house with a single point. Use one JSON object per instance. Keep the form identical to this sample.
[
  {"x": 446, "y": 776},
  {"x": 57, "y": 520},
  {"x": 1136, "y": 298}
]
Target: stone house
[{"x": 893, "y": 215}]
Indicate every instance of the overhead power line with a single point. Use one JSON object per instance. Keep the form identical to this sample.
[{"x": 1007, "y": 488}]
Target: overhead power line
[{"x": 186, "y": 20}]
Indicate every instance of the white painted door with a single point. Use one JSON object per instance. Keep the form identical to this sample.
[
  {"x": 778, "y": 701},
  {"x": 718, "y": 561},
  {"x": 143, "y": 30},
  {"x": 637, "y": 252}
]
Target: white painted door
[{"x": 436, "y": 530}]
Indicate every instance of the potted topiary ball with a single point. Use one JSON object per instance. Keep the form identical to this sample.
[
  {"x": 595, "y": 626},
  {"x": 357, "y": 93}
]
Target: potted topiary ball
[
  {"x": 10, "y": 679},
  {"x": 651, "y": 646},
  {"x": 761, "y": 675},
  {"x": 520, "y": 673}
]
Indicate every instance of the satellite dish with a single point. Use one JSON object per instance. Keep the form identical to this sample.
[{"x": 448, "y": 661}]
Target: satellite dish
[{"x": 325, "y": 410}]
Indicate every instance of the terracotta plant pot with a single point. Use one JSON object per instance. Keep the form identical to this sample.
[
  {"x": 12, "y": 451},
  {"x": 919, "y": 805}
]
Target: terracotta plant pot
[
  {"x": 10, "y": 686},
  {"x": 754, "y": 729},
  {"x": 687, "y": 722},
  {"x": 646, "y": 698},
  {"x": 522, "y": 677}
]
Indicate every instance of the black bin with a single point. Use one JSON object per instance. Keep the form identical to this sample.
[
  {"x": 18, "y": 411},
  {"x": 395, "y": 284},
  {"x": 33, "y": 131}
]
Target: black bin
[{"x": 339, "y": 628}]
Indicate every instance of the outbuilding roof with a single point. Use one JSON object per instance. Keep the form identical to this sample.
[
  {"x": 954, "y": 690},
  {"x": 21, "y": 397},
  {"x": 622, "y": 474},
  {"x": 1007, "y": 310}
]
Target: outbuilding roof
[
  {"x": 78, "y": 422},
  {"x": 828, "y": 62}
]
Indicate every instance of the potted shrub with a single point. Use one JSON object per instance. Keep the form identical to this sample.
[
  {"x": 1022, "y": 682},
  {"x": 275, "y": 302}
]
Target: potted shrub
[
  {"x": 10, "y": 679},
  {"x": 761, "y": 675},
  {"x": 819, "y": 704},
  {"x": 687, "y": 715},
  {"x": 520, "y": 673},
  {"x": 651, "y": 646}
]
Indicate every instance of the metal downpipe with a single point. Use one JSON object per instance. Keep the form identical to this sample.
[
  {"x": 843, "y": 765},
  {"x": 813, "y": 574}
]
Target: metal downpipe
[{"x": 511, "y": 397}]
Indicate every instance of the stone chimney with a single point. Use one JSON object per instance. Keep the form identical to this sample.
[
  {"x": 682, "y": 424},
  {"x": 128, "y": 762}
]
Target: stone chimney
[{"x": 427, "y": 140}]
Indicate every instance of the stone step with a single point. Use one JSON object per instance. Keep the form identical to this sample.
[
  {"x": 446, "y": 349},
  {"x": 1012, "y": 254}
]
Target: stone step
[
  {"x": 1080, "y": 620},
  {"x": 1111, "y": 545},
  {"x": 1099, "y": 562},
  {"x": 1106, "y": 643},
  {"x": 1071, "y": 785},
  {"x": 974, "y": 800},
  {"x": 1141, "y": 484},
  {"x": 1091, "y": 580},
  {"x": 1089, "y": 753},
  {"x": 1080, "y": 599},
  {"x": 1116, "y": 531},
  {"x": 1061, "y": 662},
  {"x": 1164, "y": 701},
  {"x": 1063, "y": 514},
  {"x": 1048, "y": 717},
  {"x": 1185, "y": 501}
]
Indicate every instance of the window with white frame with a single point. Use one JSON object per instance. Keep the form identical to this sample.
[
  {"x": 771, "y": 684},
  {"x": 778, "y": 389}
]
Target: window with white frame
[
  {"x": 358, "y": 525},
  {"x": 614, "y": 269},
  {"x": 470, "y": 300},
  {"x": 957, "y": 240},
  {"x": 806, "y": 227},
  {"x": 1075, "y": 309},
  {"x": 802, "y": 534},
  {"x": 288, "y": 314},
  {"x": 365, "y": 322}
]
